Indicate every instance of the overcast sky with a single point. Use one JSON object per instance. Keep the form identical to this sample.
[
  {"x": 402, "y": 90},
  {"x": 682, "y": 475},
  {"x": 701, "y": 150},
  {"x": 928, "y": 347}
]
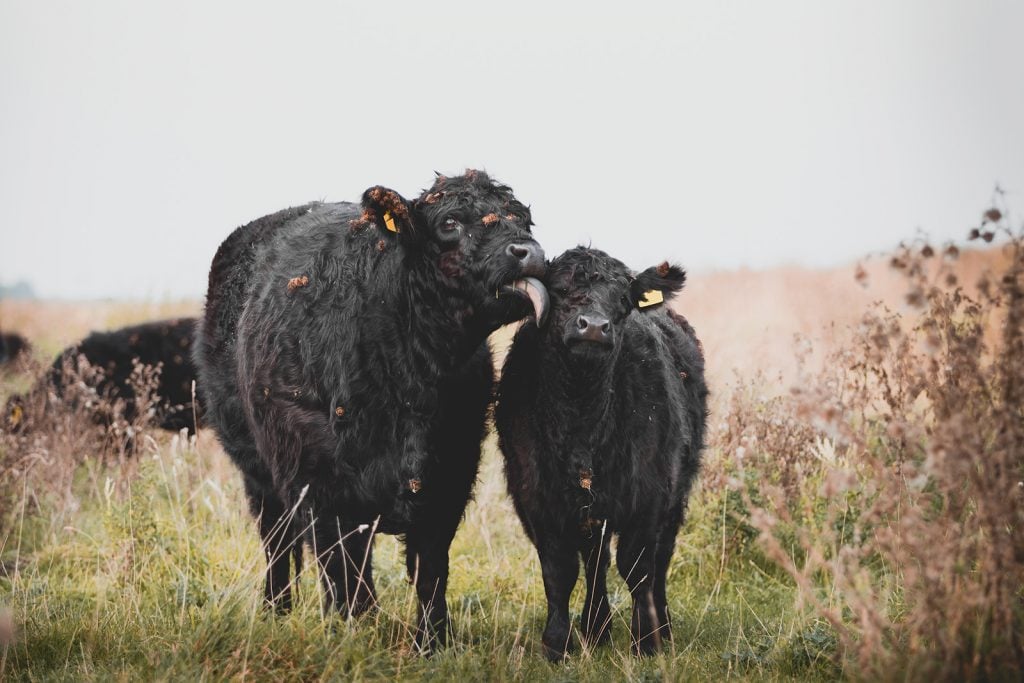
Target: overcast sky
[{"x": 134, "y": 136}]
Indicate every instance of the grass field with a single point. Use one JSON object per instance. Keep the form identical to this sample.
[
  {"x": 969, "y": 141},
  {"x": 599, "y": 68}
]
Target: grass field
[
  {"x": 805, "y": 554},
  {"x": 163, "y": 580}
]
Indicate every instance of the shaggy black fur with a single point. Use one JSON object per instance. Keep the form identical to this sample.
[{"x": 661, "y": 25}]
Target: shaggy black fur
[
  {"x": 12, "y": 346},
  {"x": 165, "y": 343},
  {"x": 601, "y": 419},
  {"x": 344, "y": 366}
]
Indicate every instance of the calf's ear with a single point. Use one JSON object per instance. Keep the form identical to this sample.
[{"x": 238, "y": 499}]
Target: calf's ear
[
  {"x": 656, "y": 285},
  {"x": 389, "y": 211}
]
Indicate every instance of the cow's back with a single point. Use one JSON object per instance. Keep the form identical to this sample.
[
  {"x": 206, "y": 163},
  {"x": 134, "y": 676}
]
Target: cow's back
[{"x": 230, "y": 277}]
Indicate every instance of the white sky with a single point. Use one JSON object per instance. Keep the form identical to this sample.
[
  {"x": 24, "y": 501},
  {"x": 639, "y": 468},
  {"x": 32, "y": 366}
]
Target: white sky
[{"x": 134, "y": 137}]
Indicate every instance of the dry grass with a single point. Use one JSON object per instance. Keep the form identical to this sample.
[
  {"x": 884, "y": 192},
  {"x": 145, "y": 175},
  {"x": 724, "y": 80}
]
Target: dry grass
[{"x": 888, "y": 484}]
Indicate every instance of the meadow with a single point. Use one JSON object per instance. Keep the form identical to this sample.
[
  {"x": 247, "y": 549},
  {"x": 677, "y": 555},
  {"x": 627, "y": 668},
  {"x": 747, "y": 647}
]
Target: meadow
[{"x": 858, "y": 516}]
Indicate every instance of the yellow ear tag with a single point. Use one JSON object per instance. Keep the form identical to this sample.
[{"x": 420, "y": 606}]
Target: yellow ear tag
[
  {"x": 16, "y": 414},
  {"x": 652, "y": 297},
  {"x": 389, "y": 222}
]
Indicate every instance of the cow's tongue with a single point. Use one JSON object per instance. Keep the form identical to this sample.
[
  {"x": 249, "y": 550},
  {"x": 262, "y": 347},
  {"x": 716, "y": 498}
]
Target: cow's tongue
[{"x": 538, "y": 295}]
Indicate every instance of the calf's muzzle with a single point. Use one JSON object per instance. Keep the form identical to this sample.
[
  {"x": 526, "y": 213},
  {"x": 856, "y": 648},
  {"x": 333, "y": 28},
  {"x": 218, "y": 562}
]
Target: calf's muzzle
[{"x": 592, "y": 328}]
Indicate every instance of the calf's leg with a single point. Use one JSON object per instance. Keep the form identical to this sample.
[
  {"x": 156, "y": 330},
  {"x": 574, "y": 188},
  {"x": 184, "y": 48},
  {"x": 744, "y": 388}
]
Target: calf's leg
[
  {"x": 595, "y": 620},
  {"x": 560, "y": 568},
  {"x": 426, "y": 560},
  {"x": 635, "y": 560}
]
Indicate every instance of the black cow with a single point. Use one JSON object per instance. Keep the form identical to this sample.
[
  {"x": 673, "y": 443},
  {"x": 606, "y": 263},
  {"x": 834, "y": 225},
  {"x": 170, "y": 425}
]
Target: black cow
[
  {"x": 343, "y": 363},
  {"x": 12, "y": 347},
  {"x": 165, "y": 343},
  {"x": 600, "y": 418}
]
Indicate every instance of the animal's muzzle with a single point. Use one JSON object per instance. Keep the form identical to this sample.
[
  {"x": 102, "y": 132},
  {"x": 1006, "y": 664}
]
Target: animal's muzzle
[
  {"x": 591, "y": 328},
  {"x": 530, "y": 257}
]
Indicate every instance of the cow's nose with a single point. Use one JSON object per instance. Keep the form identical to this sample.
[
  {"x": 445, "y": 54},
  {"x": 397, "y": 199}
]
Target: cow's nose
[
  {"x": 530, "y": 257},
  {"x": 593, "y": 328}
]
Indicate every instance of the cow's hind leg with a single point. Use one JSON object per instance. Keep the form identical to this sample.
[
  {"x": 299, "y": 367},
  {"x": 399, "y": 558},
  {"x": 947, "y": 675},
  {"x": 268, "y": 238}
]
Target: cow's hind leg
[
  {"x": 595, "y": 620},
  {"x": 635, "y": 560},
  {"x": 345, "y": 556},
  {"x": 281, "y": 538}
]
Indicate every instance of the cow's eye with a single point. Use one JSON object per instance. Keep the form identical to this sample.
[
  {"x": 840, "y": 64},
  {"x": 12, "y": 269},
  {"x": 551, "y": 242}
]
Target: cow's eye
[{"x": 451, "y": 225}]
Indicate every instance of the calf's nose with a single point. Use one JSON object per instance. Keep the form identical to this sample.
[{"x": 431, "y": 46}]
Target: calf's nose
[
  {"x": 530, "y": 257},
  {"x": 593, "y": 328}
]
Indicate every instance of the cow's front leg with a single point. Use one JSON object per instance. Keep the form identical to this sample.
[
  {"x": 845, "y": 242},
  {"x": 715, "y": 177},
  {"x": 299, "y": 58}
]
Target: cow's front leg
[
  {"x": 426, "y": 559},
  {"x": 345, "y": 556},
  {"x": 281, "y": 537}
]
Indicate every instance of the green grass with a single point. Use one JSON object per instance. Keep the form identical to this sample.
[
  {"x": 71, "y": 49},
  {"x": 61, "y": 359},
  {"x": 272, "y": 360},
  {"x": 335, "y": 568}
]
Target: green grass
[{"x": 153, "y": 571}]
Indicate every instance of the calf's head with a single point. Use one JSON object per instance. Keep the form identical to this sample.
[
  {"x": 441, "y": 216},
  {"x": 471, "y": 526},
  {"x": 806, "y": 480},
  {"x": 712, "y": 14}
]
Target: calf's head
[
  {"x": 592, "y": 294},
  {"x": 477, "y": 234}
]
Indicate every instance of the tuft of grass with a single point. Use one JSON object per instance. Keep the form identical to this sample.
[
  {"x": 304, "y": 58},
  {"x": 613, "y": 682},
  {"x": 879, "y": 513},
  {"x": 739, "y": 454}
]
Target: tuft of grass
[{"x": 904, "y": 528}]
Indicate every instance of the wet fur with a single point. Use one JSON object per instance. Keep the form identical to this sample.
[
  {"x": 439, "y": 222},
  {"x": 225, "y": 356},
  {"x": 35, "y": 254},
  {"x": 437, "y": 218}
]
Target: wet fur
[
  {"x": 334, "y": 393},
  {"x": 633, "y": 415}
]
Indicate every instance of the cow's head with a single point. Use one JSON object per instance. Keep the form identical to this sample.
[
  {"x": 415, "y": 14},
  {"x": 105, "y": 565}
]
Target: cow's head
[
  {"x": 477, "y": 234},
  {"x": 593, "y": 293}
]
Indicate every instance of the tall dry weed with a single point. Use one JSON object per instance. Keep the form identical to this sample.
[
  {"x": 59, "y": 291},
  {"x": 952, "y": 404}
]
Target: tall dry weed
[
  {"x": 890, "y": 487},
  {"x": 54, "y": 427}
]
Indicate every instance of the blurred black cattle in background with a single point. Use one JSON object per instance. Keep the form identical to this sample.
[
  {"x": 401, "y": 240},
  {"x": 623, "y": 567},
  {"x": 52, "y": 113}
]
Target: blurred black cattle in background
[
  {"x": 113, "y": 369},
  {"x": 12, "y": 347}
]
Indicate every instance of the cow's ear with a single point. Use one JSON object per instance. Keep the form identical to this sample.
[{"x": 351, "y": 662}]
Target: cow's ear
[
  {"x": 656, "y": 285},
  {"x": 389, "y": 211}
]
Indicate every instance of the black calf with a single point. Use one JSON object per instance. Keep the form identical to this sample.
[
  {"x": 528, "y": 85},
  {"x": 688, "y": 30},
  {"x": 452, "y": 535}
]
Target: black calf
[{"x": 601, "y": 421}]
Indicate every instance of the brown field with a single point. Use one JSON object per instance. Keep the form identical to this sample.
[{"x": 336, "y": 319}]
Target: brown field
[
  {"x": 748, "y": 320},
  {"x": 52, "y": 325}
]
